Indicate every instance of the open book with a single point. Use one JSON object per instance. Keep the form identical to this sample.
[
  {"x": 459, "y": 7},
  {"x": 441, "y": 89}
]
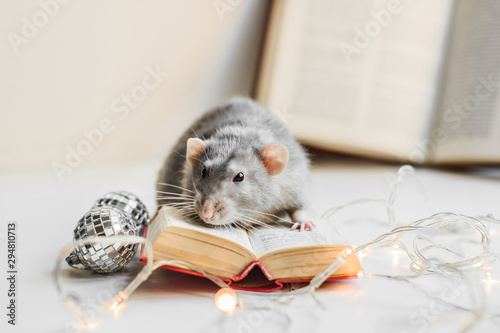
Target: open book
[
  {"x": 404, "y": 80},
  {"x": 259, "y": 258}
]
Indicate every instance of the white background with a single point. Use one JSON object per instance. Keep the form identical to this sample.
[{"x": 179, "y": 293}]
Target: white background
[{"x": 64, "y": 79}]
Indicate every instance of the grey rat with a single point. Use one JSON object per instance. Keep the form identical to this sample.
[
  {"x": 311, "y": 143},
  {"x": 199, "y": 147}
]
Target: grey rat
[{"x": 241, "y": 166}]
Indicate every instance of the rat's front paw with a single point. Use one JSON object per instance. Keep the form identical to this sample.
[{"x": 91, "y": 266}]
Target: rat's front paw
[
  {"x": 303, "y": 226},
  {"x": 298, "y": 218}
]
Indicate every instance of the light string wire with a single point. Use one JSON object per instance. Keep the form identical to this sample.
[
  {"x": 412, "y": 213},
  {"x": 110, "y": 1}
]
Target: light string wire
[
  {"x": 73, "y": 302},
  {"x": 420, "y": 263},
  {"x": 423, "y": 265},
  {"x": 246, "y": 299}
]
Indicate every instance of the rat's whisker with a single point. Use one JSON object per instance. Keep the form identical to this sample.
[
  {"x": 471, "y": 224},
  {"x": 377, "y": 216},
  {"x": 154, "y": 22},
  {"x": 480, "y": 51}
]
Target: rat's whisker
[
  {"x": 250, "y": 218},
  {"x": 259, "y": 225},
  {"x": 183, "y": 209},
  {"x": 248, "y": 225},
  {"x": 279, "y": 219},
  {"x": 194, "y": 185},
  {"x": 176, "y": 186},
  {"x": 253, "y": 225},
  {"x": 167, "y": 200},
  {"x": 172, "y": 204},
  {"x": 182, "y": 155},
  {"x": 194, "y": 132},
  {"x": 247, "y": 217},
  {"x": 175, "y": 198},
  {"x": 178, "y": 207},
  {"x": 237, "y": 223},
  {"x": 254, "y": 221},
  {"x": 176, "y": 194},
  {"x": 177, "y": 204},
  {"x": 228, "y": 227},
  {"x": 267, "y": 214},
  {"x": 181, "y": 204},
  {"x": 188, "y": 212},
  {"x": 239, "y": 226}
]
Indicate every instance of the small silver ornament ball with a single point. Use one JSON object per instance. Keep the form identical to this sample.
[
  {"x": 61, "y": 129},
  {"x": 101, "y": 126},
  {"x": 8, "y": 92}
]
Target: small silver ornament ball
[
  {"x": 127, "y": 202},
  {"x": 104, "y": 257}
]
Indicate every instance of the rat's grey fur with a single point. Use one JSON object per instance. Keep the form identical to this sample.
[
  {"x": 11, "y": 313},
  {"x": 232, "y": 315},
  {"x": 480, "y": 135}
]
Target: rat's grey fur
[{"x": 235, "y": 133}]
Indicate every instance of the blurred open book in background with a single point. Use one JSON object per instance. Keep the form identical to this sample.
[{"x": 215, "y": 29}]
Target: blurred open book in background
[{"x": 404, "y": 80}]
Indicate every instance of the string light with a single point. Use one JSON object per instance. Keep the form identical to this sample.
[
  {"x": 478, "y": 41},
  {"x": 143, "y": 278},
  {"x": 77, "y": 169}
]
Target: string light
[
  {"x": 319, "y": 279},
  {"x": 228, "y": 300},
  {"x": 363, "y": 275}
]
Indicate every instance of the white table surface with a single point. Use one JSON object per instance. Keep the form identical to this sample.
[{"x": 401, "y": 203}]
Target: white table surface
[{"x": 46, "y": 212}]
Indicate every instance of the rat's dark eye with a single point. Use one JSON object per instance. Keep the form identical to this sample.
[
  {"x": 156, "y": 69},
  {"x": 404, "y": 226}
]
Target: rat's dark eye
[
  {"x": 204, "y": 172},
  {"x": 239, "y": 177}
]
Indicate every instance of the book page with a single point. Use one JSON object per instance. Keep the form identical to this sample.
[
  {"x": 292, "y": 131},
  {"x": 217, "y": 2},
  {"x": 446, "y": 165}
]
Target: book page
[
  {"x": 266, "y": 240},
  {"x": 169, "y": 216},
  {"x": 467, "y": 128},
  {"x": 356, "y": 76}
]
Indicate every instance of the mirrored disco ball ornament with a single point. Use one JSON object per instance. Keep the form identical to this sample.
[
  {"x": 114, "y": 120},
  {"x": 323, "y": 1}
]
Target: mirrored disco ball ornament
[
  {"x": 104, "y": 257},
  {"x": 128, "y": 203}
]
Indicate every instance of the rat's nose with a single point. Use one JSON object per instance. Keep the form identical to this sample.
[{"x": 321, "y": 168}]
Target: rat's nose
[{"x": 208, "y": 214}]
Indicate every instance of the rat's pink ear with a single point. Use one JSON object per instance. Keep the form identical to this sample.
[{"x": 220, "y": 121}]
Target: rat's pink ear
[
  {"x": 275, "y": 158},
  {"x": 194, "y": 149}
]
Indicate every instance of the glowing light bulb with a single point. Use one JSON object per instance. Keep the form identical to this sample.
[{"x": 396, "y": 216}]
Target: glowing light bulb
[
  {"x": 115, "y": 303},
  {"x": 489, "y": 281},
  {"x": 418, "y": 265},
  {"x": 363, "y": 253},
  {"x": 395, "y": 259},
  {"x": 83, "y": 324},
  {"x": 114, "y": 306},
  {"x": 364, "y": 275},
  {"x": 226, "y": 299}
]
